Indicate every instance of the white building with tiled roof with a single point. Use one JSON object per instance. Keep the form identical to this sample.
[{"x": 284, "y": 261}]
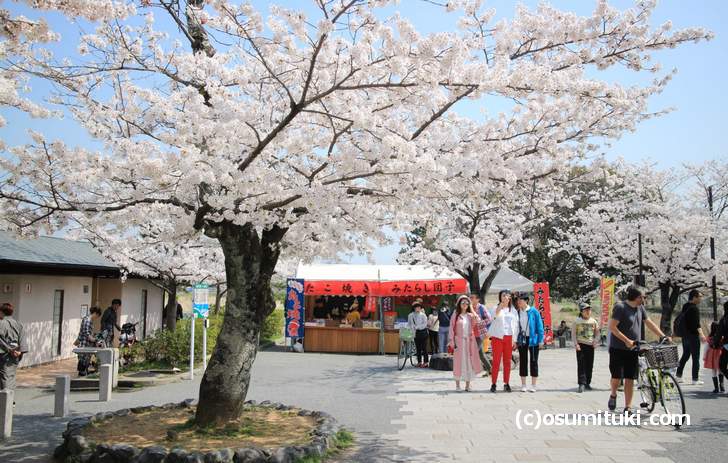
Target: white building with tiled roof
[{"x": 52, "y": 282}]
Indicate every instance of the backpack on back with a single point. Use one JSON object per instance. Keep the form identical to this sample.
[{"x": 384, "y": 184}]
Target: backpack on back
[{"x": 678, "y": 325}]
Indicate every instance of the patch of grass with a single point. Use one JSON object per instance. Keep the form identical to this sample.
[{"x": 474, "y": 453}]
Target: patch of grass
[{"x": 342, "y": 441}]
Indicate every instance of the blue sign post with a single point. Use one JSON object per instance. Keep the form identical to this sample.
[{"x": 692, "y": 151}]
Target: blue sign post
[
  {"x": 295, "y": 310},
  {"x": 200, "y": 309}
]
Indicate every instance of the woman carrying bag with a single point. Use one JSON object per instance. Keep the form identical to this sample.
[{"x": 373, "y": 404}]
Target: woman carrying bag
[
  {"x": 462, "y": 342},
  {"x": 529, "y": 341}
]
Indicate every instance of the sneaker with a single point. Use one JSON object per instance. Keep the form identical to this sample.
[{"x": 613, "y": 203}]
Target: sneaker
[
  {"x": 612, "y": 403},
  {"x": 457, "y": 389},
  {"x": 532, "y": 389},
  {"x": 697, "y": 382},
  {"x": 581, "y": 388},
  {"x": 419, "y": 365},
  {"x": 492, "y": 388},
  {"x": 628, "y": 412},
  {"x": 425, "y": 365},
  {"x": 507, "y": 387},
  {"x": 524, "y": 388},
  {"x": 588, "y": 387}
]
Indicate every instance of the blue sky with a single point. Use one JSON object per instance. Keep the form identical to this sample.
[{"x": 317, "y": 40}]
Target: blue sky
[{"x": 691, "y": 133}]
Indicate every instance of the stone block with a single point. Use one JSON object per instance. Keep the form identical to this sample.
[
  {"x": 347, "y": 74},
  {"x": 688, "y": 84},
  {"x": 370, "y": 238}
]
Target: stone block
[{"x": 62, "y": 394}]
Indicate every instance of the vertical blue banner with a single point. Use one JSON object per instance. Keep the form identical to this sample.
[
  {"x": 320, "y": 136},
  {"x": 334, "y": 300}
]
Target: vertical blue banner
[{"x": 295, "y": 310}]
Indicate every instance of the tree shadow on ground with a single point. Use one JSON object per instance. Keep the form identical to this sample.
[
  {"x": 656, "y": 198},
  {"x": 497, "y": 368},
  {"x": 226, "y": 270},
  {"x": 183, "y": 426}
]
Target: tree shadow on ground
[
  {"x": 34, "y": 438},
  {"x": 369, "y": 448}
]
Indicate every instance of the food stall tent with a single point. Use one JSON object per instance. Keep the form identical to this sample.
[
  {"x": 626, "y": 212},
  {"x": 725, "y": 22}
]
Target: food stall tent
[{"x": 384, "y": 293}]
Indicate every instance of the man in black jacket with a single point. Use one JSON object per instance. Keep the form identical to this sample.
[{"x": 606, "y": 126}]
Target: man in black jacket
[
  {"x": 723, "y": 335},
  {"x": 109, "y": 321},
  {"x": 693, "y": 337}
]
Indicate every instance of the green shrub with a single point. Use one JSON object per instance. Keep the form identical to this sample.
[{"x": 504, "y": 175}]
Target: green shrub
[
  {"x": 272, "y": 328},
  {"x": 173, "y": 347}
]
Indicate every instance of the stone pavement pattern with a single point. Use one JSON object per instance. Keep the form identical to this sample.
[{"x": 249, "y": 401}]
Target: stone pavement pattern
[
  {"x": 415, "y": 415},
  {"x": 481, "y": 426}
]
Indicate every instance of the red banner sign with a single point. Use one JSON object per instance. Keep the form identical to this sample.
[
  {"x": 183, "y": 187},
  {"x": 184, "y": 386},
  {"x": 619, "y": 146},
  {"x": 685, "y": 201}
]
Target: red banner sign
[
  {"x": 422, "y": 287},
  {"x": 340, "y": 288},
  {"x": 385, "y": 288},
  {"x": 543, "y": 304},
  {"x": 607, "y": 299}
]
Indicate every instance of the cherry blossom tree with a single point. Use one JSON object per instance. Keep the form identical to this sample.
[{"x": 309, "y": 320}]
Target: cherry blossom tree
[
  {"x": 306, "y": 130},
  {"x": 164, "y": 255},
  {"x": 668, "y": 211}
]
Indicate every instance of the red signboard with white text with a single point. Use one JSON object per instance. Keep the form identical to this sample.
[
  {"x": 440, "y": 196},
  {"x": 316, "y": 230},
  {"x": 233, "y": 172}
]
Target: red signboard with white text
[
  {"x": 385, "y": 288},
  {"x": 542, "y": 303}
]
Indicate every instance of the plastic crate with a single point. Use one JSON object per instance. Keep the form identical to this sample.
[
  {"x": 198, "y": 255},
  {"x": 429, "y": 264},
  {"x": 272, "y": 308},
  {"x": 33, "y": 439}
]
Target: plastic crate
[
  {"x": 406, "y": 334},
  {"x": 663, "y": 356}
]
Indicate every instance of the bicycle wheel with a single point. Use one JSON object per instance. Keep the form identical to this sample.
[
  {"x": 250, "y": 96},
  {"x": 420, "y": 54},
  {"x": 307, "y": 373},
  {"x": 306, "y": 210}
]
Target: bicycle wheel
[
  {"x": 403, "y": 354},
  {"x": 671, "y": 396},
  {"x": 412, "y": 352},
  {"x": 646, "y": 391}
]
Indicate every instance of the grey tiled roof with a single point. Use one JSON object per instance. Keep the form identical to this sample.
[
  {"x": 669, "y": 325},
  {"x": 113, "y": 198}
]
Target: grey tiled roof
[{"x": 46, "y": 250}]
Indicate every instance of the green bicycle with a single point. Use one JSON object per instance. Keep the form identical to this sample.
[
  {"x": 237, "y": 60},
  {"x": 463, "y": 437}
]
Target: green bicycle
[
  {"x": 655, "y": 382},
  {"x": 406, "y": 348}
]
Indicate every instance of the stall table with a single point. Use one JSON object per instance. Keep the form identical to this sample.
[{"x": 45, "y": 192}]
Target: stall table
[{"x": 349, "y": 340}]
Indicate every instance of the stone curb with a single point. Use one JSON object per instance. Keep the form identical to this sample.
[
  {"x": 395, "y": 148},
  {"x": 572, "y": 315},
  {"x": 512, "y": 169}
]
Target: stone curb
[{"x": 76, "y": 449}]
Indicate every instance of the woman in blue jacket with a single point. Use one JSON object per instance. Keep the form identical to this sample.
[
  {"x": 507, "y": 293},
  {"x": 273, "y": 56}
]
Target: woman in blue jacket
[{"x": 529, "y": 341}]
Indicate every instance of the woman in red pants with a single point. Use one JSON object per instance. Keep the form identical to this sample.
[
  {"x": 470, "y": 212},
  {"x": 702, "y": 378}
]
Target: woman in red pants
[{"x": 502, "y": 331}]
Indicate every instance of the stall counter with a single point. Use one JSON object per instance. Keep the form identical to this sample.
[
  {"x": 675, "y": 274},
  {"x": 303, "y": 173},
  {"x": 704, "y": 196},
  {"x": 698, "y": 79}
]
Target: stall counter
[{"x": 349, "y": 340}]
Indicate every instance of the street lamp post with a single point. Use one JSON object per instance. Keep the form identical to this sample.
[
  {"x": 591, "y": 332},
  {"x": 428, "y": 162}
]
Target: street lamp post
[{"x": 712, "y": 256}]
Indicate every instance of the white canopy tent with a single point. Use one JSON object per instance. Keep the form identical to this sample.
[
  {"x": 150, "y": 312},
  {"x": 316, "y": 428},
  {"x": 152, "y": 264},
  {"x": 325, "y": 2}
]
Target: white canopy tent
[
  {"x": 509, "y": 279},
  {"x": 363, "y": 272}
]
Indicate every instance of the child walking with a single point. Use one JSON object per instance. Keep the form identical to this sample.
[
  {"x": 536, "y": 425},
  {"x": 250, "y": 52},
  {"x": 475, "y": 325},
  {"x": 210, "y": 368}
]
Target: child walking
[
  {"x": 586, "y": 336},
  {"x": 711, "y": 360}
]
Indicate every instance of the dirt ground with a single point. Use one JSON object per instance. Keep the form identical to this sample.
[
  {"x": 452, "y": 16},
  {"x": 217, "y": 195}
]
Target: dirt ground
[{"x": 258, "y": 427}]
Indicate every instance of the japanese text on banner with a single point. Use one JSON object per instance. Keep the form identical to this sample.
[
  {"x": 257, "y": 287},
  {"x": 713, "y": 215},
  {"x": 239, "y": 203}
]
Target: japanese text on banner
[
  {"x": 607, "y": 298},
  {"x": 295, "y": 310},
  {"x": 543, "y": 304}
]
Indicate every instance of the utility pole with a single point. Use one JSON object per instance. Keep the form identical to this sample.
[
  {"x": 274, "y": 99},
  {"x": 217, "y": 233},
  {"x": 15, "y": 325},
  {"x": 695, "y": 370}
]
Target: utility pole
[
  {"x": 640, "y": 278},
  {"x": 712, "y": 256}
]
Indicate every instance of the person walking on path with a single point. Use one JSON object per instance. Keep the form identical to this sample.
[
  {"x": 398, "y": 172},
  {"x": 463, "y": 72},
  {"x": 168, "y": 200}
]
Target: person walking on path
[
  {"x": 711, "y": 361},
  {"x": 693, "y": 337},
  {"x": 433, "y": 327},
  {"x": 529, "y": 341},
  {"x": 586, "y": 334},
  {"x": 626, "y": 326},
  {"x": 502, "y": 329},
  {"x": 443, "y": 318},
  {"x": 723, "y": 334},
  {"x": 417, "y": 321},
  {"x": 109, "y": 321},
  {"x": 462, "y": 341},
  {"x": 12, "y": 346},
  {"x": 85, "y": 338}
]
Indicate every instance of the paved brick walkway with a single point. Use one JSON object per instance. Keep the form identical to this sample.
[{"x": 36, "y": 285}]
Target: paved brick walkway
[
  {"x": 440, "y": 424},
  {"x": 45, "y": 375}
]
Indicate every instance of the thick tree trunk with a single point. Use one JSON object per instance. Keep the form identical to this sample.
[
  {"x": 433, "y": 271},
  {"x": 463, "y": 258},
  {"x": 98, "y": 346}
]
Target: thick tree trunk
[
  {"x": 669, "y": 295},
  {"x": 474, "y": 280},
  {"x": 487, "y": 282},
  {"x": 170, "y": 311},
  {"x": 249, "y": 265}
]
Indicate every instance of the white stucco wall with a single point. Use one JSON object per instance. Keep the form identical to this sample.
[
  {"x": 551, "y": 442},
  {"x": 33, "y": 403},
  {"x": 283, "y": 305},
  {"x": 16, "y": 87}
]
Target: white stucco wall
[
  {"x": 131, "y": 309},
  {"x": 34, "y": 310}
]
